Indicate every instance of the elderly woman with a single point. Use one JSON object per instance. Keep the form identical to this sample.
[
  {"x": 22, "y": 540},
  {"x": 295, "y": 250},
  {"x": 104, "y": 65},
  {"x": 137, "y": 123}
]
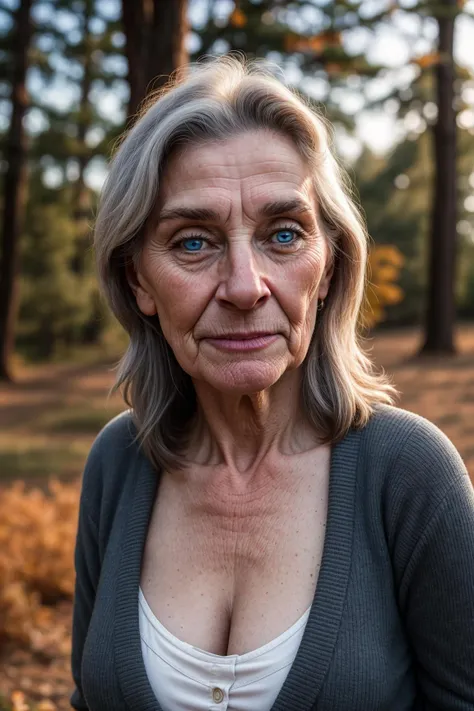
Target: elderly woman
[{"x": 263, "y": 529}]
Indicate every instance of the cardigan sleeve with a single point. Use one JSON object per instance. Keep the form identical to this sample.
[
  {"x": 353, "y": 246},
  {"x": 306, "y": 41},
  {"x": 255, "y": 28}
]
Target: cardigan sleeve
[
  {"x": 432, "y": 542},
  {"x": 87, "y": 567}
]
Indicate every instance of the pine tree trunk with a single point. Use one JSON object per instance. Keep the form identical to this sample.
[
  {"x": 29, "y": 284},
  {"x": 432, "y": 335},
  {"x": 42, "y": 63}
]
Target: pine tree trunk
[
  {"x": 440, "y": 316},
  {"x": 167, "y": 50},
  {"x": 155, "y": 32},
  {"x": 14, "y": 190},
  {"x": 81, "y": 212},
  {"x": 134, "y": 27}
]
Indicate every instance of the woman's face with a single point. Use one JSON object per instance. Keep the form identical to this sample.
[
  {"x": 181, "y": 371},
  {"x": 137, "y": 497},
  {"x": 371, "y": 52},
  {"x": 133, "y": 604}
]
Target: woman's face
[{"x": 236, "y": 249}]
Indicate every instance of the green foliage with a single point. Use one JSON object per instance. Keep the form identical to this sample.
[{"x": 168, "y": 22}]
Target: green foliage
[
  {"x": 29, "y": 461},
  {"x": 398, "y": 217},
  {"x": 85, "y": 420},
  {"x": 60, "y": 304},
  {"x": 78, "y": 43},
  {"x": 5, "y": 705},
  {"x": 56, "y": 302},
  {"x": 395, "y": 193}
]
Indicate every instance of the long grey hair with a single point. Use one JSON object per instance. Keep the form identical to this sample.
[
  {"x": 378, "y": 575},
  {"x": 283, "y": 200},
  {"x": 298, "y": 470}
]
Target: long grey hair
[{"x": 214, "y": 100}]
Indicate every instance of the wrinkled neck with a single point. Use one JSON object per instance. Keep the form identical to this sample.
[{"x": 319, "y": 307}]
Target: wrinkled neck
[{"x": 240, "y": 432}]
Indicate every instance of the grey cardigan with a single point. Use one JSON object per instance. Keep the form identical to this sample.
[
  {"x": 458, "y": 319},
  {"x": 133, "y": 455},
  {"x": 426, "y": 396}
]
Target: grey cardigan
[{"x": 391, "y": 626}]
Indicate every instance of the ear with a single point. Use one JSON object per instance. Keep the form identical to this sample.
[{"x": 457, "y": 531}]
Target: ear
[
  {"x": 325, "y": 282},
  {"x": 141, "y": 290}
]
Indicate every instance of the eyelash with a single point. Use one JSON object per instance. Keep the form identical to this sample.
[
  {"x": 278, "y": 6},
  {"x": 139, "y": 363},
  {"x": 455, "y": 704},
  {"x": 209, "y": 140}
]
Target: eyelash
[{"x": 290, "y": 228}]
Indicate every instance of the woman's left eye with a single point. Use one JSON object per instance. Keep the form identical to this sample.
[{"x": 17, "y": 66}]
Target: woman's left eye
[{"x": 287, "y": 235}]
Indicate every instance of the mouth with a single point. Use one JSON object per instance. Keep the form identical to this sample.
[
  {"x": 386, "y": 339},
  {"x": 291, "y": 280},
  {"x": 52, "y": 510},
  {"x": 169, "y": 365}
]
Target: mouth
[
  {"x": 243, "y": 341},
  {"x": 244, "y": 336}
]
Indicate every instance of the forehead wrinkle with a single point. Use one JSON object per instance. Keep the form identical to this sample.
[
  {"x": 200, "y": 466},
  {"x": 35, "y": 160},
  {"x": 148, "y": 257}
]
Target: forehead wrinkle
[
  {"x": 194, "y": 211},
  {"x": 236, "y": 190},
  {"x": 211, "y": 167},
  {"x": 275, "y": 164}
]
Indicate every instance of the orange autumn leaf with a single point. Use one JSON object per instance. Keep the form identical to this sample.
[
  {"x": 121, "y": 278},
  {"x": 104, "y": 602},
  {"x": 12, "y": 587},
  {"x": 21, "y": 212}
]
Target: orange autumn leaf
[
  {"x": 238, "y": 18},
  {"x": 331, "y": 38},
  {"x": 385, "y": 253},
  {"x": 17, "y": 699},
  {"x": 385, "y": 262},
  {"x": 428, "y": 60},
  {"x": 316, "y": 43},
  {"x": 46, "y": 705},
  {"x": 37, "y": 536}
]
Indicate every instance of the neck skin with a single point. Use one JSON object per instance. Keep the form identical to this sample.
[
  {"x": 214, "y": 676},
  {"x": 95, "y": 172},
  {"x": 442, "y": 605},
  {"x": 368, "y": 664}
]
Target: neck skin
[{"x": 240, "y": 432}]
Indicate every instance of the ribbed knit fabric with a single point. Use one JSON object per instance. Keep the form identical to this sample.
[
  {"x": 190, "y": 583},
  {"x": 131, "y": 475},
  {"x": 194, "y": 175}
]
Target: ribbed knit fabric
[{"x": 391, "y": 626}]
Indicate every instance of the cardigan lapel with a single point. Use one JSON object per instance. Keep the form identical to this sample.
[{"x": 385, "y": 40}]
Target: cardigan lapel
[
  {"x": 133, "y": 679},
  {"x": 306, "y": 676},
  {"x": 305, "y": 679}
]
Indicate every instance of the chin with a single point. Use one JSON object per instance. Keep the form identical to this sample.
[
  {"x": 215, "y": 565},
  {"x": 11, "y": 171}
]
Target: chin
[{"x": 246, "y": 378}]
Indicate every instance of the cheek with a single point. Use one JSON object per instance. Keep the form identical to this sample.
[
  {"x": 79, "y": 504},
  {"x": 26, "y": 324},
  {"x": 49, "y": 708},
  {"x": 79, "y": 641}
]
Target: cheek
[
  {"x": 179, "y": 298},
  {"x": 314, "y": 272},
  {"x": 300, "y": 288}
]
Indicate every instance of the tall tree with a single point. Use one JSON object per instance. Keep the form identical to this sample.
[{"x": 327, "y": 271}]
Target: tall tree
[
  {"x": 155, "y": 32},
  {"x": 81, "y": 43},
  {"x": 82, "y": 193},
  {"x": 14, "y": 188},
  {"x": 433, "y": 101},
  {"x": 440, "y": 315}
]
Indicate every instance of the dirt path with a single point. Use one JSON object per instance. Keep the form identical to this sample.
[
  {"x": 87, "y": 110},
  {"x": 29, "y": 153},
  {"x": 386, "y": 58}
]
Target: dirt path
[{"x": 49, "y": 418}]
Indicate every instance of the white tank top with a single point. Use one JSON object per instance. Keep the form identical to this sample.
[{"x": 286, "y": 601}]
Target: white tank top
[{"x": 184, "y": 677}]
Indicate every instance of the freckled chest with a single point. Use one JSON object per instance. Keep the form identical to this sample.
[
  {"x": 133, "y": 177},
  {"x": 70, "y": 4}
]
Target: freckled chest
[{"x": 229, "y": 572}]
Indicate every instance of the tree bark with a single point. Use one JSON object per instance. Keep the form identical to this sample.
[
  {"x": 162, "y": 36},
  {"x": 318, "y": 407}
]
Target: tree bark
[
  {"x": 169, "y": 24},
  {"x": 81, "y": 212},
  {"x": 155, "y": 32},
  {"x": 133, "y": 18},
  {"x": 440, "y": 314},
  {"x": 14, "y": 190}
]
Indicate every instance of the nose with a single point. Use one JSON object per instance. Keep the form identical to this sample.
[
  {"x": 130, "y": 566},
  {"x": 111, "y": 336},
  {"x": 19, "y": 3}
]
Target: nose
[{"x": 242, "y": 280}]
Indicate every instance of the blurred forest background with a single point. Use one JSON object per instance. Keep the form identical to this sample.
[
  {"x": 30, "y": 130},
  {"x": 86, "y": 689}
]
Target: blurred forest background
[
  {"x": 73, "y": 72},
  {"x": 395, "y": 78}
]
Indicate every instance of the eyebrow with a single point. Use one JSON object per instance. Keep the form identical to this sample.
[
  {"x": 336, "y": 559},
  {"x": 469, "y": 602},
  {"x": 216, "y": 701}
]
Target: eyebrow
[{"x": 270, "y": 209}]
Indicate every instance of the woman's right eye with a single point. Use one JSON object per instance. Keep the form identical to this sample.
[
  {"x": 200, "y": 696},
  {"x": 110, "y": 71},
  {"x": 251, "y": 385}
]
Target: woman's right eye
[{"x": 192, "y": 244}]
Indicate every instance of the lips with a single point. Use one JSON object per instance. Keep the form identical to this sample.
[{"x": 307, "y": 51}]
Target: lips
[
  {"x": 243, "y": 336},
  {"x": 243, "y": 342}
]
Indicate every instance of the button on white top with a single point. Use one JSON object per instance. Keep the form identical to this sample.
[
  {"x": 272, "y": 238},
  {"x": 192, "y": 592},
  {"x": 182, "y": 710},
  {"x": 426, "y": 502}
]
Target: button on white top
[
  {"x": 217, "y": 695},
  {"x": 186, "y": 677}
]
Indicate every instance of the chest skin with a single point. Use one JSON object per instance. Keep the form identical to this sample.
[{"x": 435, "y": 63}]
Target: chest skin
[{"x": 228, "y": 569}]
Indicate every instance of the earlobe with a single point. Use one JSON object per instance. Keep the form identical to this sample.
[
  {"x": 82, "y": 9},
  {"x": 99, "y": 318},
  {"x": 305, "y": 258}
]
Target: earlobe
[
  {"x": 145, "y": 302},
  {"x": 325, "y": 284},
  {"x": 143, "y": 298}
]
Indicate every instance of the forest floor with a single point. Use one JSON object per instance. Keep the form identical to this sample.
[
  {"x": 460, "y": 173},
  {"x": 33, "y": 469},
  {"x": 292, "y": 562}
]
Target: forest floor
[{"x": 50, "y": 416}]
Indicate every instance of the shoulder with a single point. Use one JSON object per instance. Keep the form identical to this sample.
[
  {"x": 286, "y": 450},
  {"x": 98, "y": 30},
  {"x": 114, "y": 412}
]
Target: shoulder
[
  {"x": 110, "y": 458},
  {"x": 117, "y": 434},
  {"x": 410, "y": 444},
  {"x": 113, "y": 442},
  {"x": 420, "y": 467},
  {"x": 388, "y": 421}
]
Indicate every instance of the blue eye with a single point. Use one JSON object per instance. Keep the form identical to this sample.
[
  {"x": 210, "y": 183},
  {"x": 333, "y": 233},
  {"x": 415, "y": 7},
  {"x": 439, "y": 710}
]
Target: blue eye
[
  {"x": 288, "y": 236},
  {"x": 195, "y": 243}
]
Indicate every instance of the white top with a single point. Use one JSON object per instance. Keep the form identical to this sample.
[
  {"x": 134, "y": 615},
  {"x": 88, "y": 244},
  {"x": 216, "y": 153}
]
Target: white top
[{"x": 184, "y": 677}]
